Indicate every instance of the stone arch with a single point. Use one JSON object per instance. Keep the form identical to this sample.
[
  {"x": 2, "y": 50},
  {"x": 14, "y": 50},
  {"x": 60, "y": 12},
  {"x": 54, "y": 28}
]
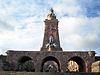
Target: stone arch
[
  {"x": 23, "y": 59},
  {"x": 25, "y": 63},
  {"x": 80, "y": 62},
  {"x": 51, "y": 59}
]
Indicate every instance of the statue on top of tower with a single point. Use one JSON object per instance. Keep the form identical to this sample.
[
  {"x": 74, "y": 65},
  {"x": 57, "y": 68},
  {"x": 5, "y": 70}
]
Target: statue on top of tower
[{"x": 51, "y": 15}]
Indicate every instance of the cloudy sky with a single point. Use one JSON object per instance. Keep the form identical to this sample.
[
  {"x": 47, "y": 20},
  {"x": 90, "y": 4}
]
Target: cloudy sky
[{"x": 22, "y": 26}]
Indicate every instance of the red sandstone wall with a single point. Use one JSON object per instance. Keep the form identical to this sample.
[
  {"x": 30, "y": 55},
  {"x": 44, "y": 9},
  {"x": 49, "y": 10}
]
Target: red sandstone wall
[{"x": 62, "y": 57}]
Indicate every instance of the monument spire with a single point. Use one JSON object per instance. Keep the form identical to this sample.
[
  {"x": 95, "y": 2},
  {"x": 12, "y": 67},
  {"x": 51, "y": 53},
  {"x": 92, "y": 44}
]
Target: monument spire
[
  {"x": 51, "y": 15},
  {"x": 51, "y": 36},
  {"x": 51, "y": 10}
]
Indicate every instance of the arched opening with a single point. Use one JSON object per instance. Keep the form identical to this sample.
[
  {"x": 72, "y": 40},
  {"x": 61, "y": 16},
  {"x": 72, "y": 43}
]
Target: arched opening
[
  {"x": 77, "y": 63},
  {"x": 25, "y": 63},
  {"x": 50, "y": 64}
]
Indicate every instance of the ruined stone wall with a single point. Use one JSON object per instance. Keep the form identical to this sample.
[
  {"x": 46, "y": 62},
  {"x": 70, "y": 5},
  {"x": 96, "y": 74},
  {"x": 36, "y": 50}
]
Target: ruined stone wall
[
  {"x": 95, "y": 66},
  {"x": 2, "y": 61},
  {"x": 1, "y": 64},
  {"x": 62, "y": 57}
]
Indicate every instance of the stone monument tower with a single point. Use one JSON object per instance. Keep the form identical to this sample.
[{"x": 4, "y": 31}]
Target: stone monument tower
[
  {"x": 51, "y": 35},
  {"x": 51, "y": 58}
]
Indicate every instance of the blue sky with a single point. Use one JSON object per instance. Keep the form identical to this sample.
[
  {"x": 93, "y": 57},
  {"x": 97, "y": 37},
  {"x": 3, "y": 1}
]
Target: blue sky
[{"x": 22, "y": 26}]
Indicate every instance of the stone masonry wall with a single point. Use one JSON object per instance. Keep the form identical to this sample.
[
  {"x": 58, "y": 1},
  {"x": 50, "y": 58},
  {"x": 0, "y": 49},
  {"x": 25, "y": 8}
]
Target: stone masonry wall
[
  {"x": 95, "y": 66},
  {"x": 62, "y": 57}
]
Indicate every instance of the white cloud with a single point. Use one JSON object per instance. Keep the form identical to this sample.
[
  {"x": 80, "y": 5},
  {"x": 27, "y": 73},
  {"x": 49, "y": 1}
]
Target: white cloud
[
  {"x": 80, "y": 33},
  {"x": 22, "y": 27}
]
